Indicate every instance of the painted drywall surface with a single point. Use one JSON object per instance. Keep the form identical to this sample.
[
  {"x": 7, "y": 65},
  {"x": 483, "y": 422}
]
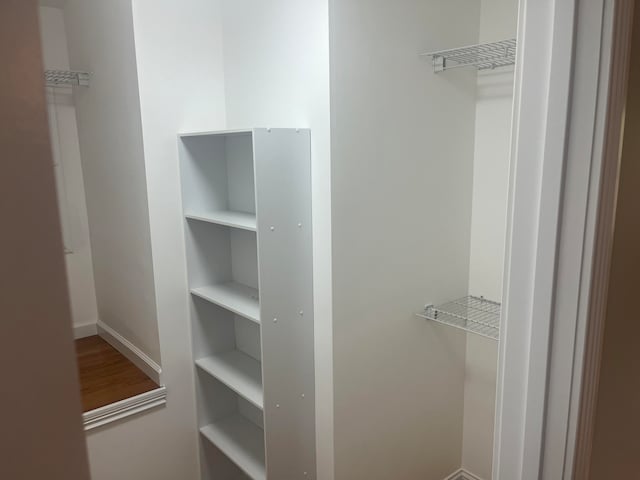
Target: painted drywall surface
[
  {"x": 179, "y": 58},
  {"x": 615, "y": 440},
  {"x": 180, "y": 88},
  {"x": 402, "y": 154},
  {"x": 41, "y": 428},
  {"x": 100, "y": 40},
  {"x": 491, "y": 156},
  {"x": 276, "y": 67},
  {"x": 66, "y": 155},
  {"x": 498, "y": 20},
  {"x": 479, "y": 405}
]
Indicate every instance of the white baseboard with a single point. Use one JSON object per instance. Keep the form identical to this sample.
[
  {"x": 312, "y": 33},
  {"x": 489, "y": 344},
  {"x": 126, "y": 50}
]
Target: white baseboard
[
  {"x": 133, "y": 353},
  {"x": 462, "y": 474},
  {"x": 85, "y": 330},
  {"x": 124, "y": 408}
]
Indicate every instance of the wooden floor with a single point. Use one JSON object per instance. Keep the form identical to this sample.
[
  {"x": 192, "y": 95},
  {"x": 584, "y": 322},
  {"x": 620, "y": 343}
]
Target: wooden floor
[{"x": 106, "y": 376}]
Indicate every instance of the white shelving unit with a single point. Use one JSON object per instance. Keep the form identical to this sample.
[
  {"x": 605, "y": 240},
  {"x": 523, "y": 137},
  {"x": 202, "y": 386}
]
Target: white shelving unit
[{"x": 246, "y": 199}]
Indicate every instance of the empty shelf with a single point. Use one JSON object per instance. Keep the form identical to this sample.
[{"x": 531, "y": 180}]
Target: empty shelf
[
  {"x": 57, "y": 78},
  {"x": 472, "y": 314},
  {"x": 234, "y": 297},
  {"x": 241, "y": 441},
  {"x": 240, "y": 372},
  {"x": 482, "y": 56},
  {"x": 245, "y": 221}
]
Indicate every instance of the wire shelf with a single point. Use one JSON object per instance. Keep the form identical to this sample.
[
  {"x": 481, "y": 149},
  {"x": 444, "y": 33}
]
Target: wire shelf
[
  {"x": 483, "y": 56},
  {"x": 472, "y": 314},
  {"x": 59, "y": 78}
]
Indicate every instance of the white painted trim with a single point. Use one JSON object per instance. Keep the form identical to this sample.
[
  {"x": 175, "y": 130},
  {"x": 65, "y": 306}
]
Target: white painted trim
[
  {"x": 542, "y": 77},
  {"x": 462, "y": 474},
  {"x": 598, "y": 97},
  {"x": 124, "y": 408},
  {"x": 467, "y": 475},
  {"x": 582, "y": 166},
  {"x": 457, "y": 475},
  {"x": 550, "y": 208},
  {"x": 586, "y": 379},
  {"x": 133, "y": 353},
  {"x": 85, "y": 330},
  {"x": 560, "y": 112}
]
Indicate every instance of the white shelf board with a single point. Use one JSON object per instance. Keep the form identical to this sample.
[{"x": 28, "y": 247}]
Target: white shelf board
[
  {"x": 240, "y": 372},
  {"x": 245, "y": 221},
  {"x": 241, "y": 441},
  {"x": 216, "y": 132},
  {"x": 234, "y": 297}
]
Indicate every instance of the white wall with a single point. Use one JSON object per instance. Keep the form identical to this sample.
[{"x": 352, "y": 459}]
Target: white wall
[
  {"x": 402, "y": 153},
  {"x": 498, "y": 19},
  {"x": 231, "y": 65},
  {"x": 491, "y": 161},
  {"x": 276, "y": 67},
  {"x": 66, "y": 155},
  {"x": 171, "y": 81},
  {"x": 100, "y": 40},
  {"x": 271, "y": 81}
]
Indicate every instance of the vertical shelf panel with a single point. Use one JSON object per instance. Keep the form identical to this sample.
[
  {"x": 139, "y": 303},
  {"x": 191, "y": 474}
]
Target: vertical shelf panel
[{"x": 283, "y": 198}]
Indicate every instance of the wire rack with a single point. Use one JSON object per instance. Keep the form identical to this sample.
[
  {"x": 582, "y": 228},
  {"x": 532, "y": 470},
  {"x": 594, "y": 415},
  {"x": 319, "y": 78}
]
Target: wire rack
[
  {"x": 482, "y": 56},
  {"x": 472, "y": 314},
  {"x": 58, "y": 78}
]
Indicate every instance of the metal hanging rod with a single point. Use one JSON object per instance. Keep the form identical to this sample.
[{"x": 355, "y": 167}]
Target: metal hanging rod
[
  {"x": 59, "y": 78},
  {"x": 483, "y": 56},
  {"x": 472, "y": 314}
]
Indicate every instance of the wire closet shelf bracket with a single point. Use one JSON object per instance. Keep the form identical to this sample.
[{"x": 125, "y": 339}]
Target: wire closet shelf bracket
[
  {"x": 483, "y": 56},
  {"x": 64, "y": 78},
  {"x": 475, "y": 315}
]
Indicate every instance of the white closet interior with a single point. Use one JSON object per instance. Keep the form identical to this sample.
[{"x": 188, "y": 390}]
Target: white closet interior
[
  {"x": 478, "y": 312},
  {"x": 421, "y": 129},
  {"x": 410, "y": 183},
  {"x": 68, "y": 167}
]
